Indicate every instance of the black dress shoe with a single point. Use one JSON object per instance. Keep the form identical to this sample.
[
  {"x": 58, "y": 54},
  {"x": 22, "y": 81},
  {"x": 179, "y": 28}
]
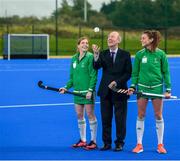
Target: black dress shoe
[
  {"x": 118, "y": 148},
  {"x": 105, "y": 147}
]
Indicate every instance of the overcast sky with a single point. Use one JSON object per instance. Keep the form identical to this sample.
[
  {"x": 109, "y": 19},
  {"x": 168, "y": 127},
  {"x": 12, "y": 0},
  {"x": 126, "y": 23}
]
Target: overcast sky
[{"x": 38, "y": 8}]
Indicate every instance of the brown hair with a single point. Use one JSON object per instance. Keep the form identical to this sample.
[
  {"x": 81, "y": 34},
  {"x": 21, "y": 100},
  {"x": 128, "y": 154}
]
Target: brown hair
[
  {"x": 155, "y": 35},
  {"x": 80, "y": 39}
]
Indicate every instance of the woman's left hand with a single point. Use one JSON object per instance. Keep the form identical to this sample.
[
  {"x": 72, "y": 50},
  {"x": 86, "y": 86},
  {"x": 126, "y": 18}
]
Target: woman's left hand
[
  {"x": 89, "y": 95},
  {"x": 167, "y": 95}
]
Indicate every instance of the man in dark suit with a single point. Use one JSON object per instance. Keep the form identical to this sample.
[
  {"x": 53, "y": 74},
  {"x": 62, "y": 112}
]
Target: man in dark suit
[{"x": 116, "y": 66}]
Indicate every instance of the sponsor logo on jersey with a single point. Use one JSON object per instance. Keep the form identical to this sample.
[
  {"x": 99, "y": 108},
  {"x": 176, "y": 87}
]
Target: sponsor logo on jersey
[{"x": 74, "y": 65}]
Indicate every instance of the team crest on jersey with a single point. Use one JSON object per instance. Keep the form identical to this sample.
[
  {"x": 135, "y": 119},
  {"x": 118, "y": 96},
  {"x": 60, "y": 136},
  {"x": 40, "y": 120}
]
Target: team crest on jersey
[
  {"x": 156, "y": 60},
  {"x": 82, "y": 65},
  {"x": 74, "y": 65},
  {"x": 144, "y": 59}
]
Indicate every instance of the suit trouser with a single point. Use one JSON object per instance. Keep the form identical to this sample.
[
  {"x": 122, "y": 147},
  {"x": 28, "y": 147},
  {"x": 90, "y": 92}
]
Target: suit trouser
[{"x": 120, "y": 112}]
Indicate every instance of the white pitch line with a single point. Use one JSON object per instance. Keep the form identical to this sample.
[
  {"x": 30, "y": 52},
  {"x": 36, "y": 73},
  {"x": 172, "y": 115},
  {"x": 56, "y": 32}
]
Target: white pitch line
[
  {"x": 66, "y": 104},
  {"x": 30, "y": 70},
  {"x": 37, "y": 105}
]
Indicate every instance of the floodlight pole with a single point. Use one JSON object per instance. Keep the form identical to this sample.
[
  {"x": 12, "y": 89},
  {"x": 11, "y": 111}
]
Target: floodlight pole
[
  {"x": 56, "y": 18},
  {"x": 166, "y": 25},
  {"x": 85, "y": 10},
  {"x": 7, "y": 22}
]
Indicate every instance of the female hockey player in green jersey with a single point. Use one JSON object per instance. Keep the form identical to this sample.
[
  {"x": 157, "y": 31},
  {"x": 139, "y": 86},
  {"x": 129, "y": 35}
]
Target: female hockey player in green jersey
[
  {"x": 83, "y": 78},
  {"x": 150, "y": 73}
]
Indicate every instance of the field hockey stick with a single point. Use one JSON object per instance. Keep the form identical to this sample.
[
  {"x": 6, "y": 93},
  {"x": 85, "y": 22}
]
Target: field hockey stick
[
  {"x": 152, "y": 94},
  {"x": 40, "y": 84},
  {"x": 123, "y": 91}
]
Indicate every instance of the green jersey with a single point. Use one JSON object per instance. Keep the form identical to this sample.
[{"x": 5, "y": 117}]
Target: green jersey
[
  {"x": 151, "y": 71},
  {"x": 83, "y": 77}
]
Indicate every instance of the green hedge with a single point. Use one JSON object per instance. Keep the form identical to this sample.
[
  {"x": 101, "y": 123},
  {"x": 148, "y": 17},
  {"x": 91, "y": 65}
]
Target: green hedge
[{"x": 68, "y": 36}]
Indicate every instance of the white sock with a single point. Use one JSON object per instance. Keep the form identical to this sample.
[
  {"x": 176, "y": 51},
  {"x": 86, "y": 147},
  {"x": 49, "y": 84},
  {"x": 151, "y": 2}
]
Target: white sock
[
  {"x": 139, "y": 129},
  {"x": 160, "y": 130},
  {"x": 82, "y": 129},
  {"x": 93, "y": 128}
]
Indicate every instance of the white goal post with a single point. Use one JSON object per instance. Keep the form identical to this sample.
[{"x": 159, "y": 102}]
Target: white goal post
[{"x": 26, "y": 46}]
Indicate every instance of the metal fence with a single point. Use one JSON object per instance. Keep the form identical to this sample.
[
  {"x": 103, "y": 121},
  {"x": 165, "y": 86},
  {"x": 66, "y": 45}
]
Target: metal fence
[
  {"x": 63, "y": 41},
  {"x": 63, "y": 38}
]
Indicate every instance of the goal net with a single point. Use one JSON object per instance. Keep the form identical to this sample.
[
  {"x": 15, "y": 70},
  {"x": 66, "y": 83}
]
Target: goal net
[{"x": 26, "y": 46}]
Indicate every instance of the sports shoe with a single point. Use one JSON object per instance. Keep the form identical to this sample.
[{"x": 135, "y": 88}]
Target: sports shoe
[
  {"x": 138, "y": 148},
  {"x": 161, "y": 149},
  {"x": 79, "y": 144},
  {"x": 92, "y": 145}
]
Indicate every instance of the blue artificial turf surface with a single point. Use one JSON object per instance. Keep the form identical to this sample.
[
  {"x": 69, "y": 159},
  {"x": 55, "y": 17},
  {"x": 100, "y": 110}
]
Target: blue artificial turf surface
[{"x": 41, "y": 125}]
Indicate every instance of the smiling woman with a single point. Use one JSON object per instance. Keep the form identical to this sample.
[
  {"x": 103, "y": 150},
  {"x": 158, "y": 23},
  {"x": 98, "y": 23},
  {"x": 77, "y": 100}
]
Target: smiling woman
[
  {"x": 83, "y": 78},
  {"x": 150, "y": 74}
]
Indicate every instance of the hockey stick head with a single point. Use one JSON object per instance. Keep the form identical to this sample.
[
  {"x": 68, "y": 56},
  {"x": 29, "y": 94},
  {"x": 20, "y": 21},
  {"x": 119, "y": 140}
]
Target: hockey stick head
[{"x": 40, "y": 84}]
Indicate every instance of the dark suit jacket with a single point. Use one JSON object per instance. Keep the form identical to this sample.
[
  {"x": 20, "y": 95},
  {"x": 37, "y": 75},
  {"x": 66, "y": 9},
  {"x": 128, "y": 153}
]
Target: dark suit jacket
[{"x": 120, "y": 71}]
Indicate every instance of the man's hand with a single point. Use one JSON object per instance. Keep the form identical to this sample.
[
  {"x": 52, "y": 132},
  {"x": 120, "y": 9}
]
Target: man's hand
[
  {"x": 89, "y": 95},
  {"x": 62, "y": 90},
  {"x": 112, "y": 84},
  {"x": 96, "y": 50}
]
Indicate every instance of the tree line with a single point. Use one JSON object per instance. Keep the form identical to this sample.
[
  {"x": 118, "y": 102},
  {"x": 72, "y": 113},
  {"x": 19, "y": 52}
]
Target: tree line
[{"x": 117, "y": 13}]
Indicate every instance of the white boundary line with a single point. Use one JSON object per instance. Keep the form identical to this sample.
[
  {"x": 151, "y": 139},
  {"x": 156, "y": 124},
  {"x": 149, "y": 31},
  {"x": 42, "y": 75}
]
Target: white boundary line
[
  {"x": 64, "y": 104},
  {"x": 37, "y": 105},
  {"x": 70, "y": 56},
  {"x": 98, "y": 160}
]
